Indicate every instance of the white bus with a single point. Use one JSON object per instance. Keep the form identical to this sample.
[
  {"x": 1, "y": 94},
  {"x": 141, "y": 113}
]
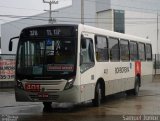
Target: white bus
[{"x": 77, "y": 63}]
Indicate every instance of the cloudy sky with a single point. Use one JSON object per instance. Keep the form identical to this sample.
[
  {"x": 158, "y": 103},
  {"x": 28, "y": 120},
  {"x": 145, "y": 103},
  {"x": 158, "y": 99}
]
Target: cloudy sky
[
  {"x": 20, "y": 7},
  {"x": 25, "y": 8}
]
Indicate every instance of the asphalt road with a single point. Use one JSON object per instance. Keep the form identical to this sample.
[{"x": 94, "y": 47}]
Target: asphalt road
[{"x": 118, "y": 107}]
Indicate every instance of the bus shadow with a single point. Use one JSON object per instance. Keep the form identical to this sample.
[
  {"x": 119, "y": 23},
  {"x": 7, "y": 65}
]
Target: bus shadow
[{"x": 70, "y": 108}]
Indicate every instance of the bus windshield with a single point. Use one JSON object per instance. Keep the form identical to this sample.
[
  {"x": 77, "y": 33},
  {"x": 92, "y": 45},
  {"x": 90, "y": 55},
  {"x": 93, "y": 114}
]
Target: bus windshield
[{"x": 46, "y": 57}]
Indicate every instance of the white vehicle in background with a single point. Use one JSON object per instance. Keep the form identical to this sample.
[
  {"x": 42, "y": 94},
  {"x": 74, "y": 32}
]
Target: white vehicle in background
[{"x": 76, "y": 63}]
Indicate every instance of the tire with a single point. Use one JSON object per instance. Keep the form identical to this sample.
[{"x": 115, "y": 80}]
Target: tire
[
  {"x": 47, "y": 106},
  {"x": 136, "y": 87},
  {"x": 129, "y": 92},
  {"x": 134, "y": 91},
  {"x": 98, "y": 95}
]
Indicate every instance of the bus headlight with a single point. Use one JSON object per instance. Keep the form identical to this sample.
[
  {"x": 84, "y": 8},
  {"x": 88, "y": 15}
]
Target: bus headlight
[
  {"x": 19, "y": 84},
  {"x": 69, "y": 84}
]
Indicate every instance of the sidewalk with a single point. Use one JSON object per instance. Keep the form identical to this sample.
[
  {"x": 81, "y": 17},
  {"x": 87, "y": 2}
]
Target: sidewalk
[{"x": 156, "y": 78}]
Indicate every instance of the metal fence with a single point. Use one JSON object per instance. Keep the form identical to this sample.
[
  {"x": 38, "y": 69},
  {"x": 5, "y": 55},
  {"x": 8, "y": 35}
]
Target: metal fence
[
  {"x": 156, "y": 64},
  {"x": 7, "y": 70}
]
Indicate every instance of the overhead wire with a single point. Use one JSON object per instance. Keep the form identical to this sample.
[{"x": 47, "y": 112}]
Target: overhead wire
[
  {"x": 119, "y": 5},
  {"x": 46, "y": 18},
  {"x": 100, "y": 2},
  {"x": 76, "y": 13},
  {"x": 20, "y": 8},
  {"x": 74, "y": 19},
  {"x": 19, "y": 16}
]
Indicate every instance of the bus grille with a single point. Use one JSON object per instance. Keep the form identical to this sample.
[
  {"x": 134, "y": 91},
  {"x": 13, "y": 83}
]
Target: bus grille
[
  {"x": 47, "y": 82},
  {"x": 50, "y": 97}
]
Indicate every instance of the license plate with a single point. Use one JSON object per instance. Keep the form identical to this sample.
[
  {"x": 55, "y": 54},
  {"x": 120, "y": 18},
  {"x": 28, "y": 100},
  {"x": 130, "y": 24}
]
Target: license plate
[
  {"x": 32, "y": 87},
  {"x": 42, "y": 95}
]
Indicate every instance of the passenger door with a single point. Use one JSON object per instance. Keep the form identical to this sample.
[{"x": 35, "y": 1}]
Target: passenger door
[{"x": 87, "y": 66}]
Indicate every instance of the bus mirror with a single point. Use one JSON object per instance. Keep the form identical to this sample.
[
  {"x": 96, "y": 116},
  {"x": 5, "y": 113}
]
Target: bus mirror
[{"x": 11, "y": 43}]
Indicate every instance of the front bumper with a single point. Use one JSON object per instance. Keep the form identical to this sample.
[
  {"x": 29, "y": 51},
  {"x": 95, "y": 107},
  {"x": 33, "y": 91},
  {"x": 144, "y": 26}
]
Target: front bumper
[{"x": 68, "y": 96}]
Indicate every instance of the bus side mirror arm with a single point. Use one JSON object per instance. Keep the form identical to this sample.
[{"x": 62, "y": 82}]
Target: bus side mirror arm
[{"x": 11, "y": 43}]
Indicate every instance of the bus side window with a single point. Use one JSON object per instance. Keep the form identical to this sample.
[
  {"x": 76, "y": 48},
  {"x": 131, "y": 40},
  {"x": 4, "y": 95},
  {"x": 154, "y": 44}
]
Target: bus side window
[
  {"x": 101, "y": 45},
  {"x": 114, "y": 49},
  {"x": 141, "y": 48},
  {"x": 133, "y": 51},
  {"x": 124, "y": 49}
]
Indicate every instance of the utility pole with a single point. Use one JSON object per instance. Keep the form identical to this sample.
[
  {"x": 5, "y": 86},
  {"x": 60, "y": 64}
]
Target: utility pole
[
  {"x": 157, "y": 55},
  {"x": 157, "y": 33},
  {"x": 50, "y": 9},
  {"x": 82, "y": 11}
]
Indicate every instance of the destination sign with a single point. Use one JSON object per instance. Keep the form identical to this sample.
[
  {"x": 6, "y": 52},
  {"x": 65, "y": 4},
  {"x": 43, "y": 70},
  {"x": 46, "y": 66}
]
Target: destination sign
[{"x": 65, "y": 31}]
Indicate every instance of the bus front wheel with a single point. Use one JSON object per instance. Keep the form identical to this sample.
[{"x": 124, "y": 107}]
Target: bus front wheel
[
  {"x": 98, "y": 95},
  {"x": 47, "y": 106}
]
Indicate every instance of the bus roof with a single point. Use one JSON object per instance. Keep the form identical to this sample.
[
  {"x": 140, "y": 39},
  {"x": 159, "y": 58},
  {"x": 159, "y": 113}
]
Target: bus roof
[
  {"x": 98, "y": 31},
  {"x": 50, "y": 25},
  {"x": 109, "y": 33}
]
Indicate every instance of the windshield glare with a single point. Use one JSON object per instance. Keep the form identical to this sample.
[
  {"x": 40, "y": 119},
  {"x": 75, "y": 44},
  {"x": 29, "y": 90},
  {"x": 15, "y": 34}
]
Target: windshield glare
[{"x": 51, "y": 56}]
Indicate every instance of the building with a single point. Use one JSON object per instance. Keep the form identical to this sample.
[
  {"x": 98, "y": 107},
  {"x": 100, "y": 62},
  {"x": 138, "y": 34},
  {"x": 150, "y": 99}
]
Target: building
[{"x": 138, "y": 17}]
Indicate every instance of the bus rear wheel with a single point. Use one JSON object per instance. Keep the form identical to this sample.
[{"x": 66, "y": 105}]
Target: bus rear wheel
[
  {"x": 98, "y": 95},
  {"x": 136, "y": 87},
  {"x": 134, "y": 91}
]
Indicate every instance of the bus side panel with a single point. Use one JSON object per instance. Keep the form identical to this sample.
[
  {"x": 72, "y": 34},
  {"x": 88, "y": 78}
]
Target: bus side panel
[
  {"x": 147, "y": 72},
  {"x": 128, "y": 75},
  {"x": 112, "y": 80},
  {"x": 118, "y": 76},
  {"x": 87, "y": 84}
]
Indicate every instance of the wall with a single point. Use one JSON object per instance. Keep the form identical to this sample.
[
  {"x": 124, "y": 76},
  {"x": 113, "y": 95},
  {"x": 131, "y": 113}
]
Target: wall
[
  {"x": 105, "y": 19},
  {"x": 13, "y": 29},
  {"x": 136, "y": 5},
  {"x": 142, "y": 25},
  {"x": 103, "y": 5},
  {"x": 135, "y": 23}
]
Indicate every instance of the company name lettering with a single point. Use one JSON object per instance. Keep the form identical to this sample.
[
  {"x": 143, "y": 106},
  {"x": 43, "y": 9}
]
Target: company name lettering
[{"x": 121, "y": 70}]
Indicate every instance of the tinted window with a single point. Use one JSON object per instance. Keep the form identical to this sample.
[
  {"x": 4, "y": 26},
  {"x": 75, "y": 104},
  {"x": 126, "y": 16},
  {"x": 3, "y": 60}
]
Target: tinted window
[
  {"x": 119, "y": 21},
  {"x": 101, "y": 48},
  {"x": 133, "y": 51},
  {"x": 114, "y": 49},
  {"x": 141, "y": 48},
  {"x": 148, "y": 52},
  {"x": 124, "y": 50}
]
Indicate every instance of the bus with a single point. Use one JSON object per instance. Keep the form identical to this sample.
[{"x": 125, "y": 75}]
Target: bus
[{"x": 76, "y": 63}]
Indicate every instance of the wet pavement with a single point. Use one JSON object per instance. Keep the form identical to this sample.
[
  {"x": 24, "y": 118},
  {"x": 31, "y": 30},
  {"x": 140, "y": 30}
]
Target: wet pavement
[{"x": 119, "y": 107}]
